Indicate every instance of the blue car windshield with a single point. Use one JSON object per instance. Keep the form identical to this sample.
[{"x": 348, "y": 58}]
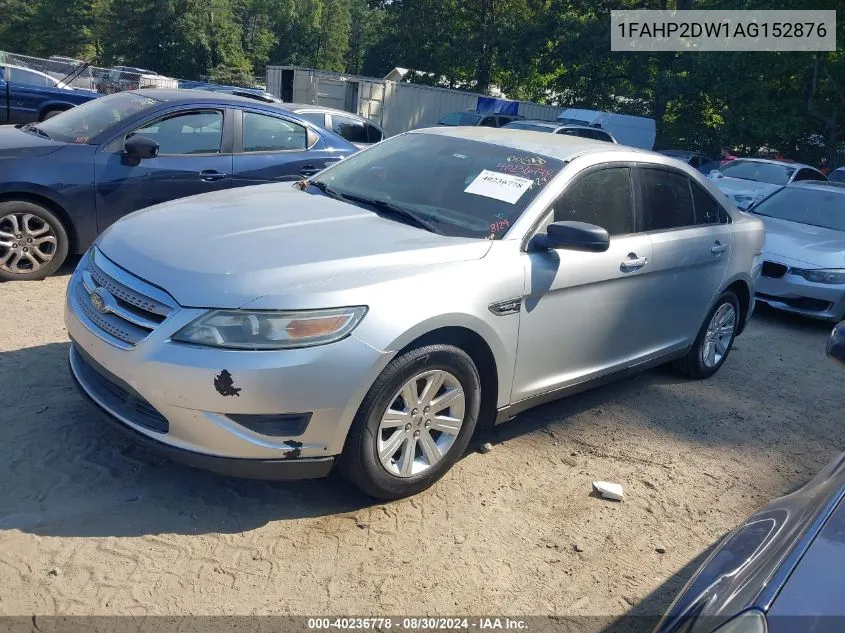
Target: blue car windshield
[
  {"x": 87, "y": 121},
  {"x": 816, "y": 207},
  {"x": 462, "y": 188}
]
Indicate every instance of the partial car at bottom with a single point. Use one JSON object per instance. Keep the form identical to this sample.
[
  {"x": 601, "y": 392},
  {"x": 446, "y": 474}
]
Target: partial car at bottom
[
  {"x": 374, "y": 315},
  {"x": 804, "y": 254},
  {"x": 781, "y": 570}
]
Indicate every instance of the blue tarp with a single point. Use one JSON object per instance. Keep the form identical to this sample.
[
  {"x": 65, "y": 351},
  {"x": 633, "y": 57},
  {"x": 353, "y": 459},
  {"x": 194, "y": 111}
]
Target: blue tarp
[{"x": 497, "y": 106}]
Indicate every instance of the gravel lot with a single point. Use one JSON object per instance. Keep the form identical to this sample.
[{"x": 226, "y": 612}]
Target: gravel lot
[{"x": 90, "y": 524}]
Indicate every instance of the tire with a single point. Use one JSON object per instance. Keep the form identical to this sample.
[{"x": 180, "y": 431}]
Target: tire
[
  {"x": 50, "y": 114},
  {"x": 41, "y": 234},
  {"x": 694, "y": 364},
  {"x": 360, "y": 461}
]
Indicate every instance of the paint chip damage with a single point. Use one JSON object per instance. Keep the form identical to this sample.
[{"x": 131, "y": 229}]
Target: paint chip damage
[
  {"x": 296, "y": 452},
  {"x": 224, "y": 384}
]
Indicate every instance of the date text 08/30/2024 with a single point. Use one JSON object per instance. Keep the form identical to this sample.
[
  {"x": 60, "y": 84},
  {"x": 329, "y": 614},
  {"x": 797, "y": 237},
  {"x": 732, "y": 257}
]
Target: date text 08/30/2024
[{"x": 417, "y": 624}]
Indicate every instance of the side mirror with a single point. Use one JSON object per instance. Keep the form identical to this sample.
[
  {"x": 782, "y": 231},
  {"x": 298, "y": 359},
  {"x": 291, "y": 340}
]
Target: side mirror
[
  {"x": 836, "y": 343},
  {"x": 714, "y": 174},
  {"x": 576, "y": 236},
  {"x": 140, "y": 147}
]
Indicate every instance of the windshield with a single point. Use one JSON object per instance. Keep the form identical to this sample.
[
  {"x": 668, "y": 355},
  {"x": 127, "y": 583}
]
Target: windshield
[
  {"x": 521, "y": 125},
  {"x": 816, "y": 207},
  {"x": 84, "y": 122},
  {"x": 460, "y": 118},
  {"x": 759, "y": 172},
  {"x": 463, "y": 188}
]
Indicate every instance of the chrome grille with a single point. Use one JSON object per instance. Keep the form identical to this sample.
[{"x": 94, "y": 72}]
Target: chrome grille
[{"x": 127, "y": 309}]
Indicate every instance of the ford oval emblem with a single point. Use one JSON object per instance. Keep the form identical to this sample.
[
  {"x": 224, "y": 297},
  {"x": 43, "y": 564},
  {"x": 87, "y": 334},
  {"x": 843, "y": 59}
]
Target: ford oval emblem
[{"x": 98, "y": 300}]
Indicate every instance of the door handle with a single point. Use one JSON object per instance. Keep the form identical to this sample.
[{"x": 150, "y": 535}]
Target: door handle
[
  {"x": 718, "y": 248},
  {"x": 210, "y": 175},
  {"x": 310, "y": 170},
  {"x": 634, "y": 263}
]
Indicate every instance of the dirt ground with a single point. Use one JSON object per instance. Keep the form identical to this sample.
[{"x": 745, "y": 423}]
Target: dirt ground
[{"x": 91, "y": 524}]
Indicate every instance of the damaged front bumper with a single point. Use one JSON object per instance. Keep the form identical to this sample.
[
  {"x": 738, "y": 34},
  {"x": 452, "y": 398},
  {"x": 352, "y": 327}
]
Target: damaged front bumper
[{"x": 268, "y": 414}]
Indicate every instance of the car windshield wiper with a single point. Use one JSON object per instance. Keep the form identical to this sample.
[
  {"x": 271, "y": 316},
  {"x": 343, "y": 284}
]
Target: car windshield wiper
[
  {"x": 389, "y": 208},
  {"x": 322, "y": 186},
  {"x": 31, "y": 127}
]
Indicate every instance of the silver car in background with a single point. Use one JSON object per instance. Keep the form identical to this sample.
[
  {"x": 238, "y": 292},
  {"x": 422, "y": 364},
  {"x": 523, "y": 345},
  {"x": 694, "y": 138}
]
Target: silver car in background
[
  {"x": 554, "y": 127},
  {"x": 804, "y": 256},
  {"x": 747, "y": 181},
  {"x": 359, "y": 131},
  {"x": 375, "y": 315}
]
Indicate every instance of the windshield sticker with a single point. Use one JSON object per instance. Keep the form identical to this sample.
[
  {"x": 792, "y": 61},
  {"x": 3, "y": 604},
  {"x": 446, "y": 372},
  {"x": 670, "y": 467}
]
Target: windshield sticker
[
  {"x": 527, "y": 160},
  {"x": 524, "y": 167},
  {"x": 498, "y": 186}
]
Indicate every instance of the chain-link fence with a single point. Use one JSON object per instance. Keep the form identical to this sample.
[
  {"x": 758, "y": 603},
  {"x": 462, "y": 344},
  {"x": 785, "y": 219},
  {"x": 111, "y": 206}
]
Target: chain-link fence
[{"x": 66, "y": 72}]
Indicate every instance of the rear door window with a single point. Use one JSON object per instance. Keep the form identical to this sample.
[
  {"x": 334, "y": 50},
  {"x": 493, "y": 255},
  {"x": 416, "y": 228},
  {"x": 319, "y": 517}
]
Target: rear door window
[
  {"x": 707, "y": 210},
  {"x": 667, "y": 199},
  {"x": 264, "y": 133},
  {"x": 489, "y": 121}
]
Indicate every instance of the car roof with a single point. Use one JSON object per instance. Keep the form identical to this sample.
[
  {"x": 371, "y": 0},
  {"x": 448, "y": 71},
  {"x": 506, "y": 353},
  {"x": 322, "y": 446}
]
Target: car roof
[
  {"x": 176, "y": 95},
  {"x": 559, "y": 146},
  {"x": 772, "y": 161},
  {"x": 554, "y": 125}
]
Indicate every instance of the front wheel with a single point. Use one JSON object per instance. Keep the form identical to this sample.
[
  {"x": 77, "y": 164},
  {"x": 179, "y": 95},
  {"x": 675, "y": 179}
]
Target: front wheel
[
  {"x": 33, "y": 241},
  {"x": 714, "y": 340},
  {"x": 414, "y": 423}
]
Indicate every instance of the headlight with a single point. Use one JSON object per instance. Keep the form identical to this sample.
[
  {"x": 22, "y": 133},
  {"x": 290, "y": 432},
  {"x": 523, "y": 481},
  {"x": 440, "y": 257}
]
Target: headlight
[
  {"x": 752, "y": 621},
  {"x": 822, "y": 275},
  {"x": 264, "y": 330}
]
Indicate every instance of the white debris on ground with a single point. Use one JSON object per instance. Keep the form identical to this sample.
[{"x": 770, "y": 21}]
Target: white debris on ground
[{"x": 609, "y": 490}]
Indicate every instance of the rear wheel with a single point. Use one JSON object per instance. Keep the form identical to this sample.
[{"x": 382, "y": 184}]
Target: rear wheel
[
  {"x": 33, "y": 242},
  {"x": 50, "y": 114},
  {"x": 414, "y": 423},
  {"x": 714, "y": 340}
]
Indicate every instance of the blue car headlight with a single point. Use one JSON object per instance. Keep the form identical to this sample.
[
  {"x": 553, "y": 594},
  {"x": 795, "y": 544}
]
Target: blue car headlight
[
  {"x": 832, "y": 276},
  {"x": 751, "y": 621}
]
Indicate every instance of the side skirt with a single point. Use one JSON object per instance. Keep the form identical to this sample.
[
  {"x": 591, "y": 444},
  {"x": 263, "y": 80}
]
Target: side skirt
[{"x": 510, "y": 411}]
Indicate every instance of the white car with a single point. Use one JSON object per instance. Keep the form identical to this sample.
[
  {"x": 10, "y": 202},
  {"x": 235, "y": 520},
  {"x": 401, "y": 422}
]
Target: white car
[{"x": 747, "y": 181}]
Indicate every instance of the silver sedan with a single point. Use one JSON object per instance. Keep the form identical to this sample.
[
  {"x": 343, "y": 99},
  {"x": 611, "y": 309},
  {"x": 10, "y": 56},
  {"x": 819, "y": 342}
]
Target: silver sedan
[
  {"x": 373, "y": 316},
  {"x": 804, "y": 256}
]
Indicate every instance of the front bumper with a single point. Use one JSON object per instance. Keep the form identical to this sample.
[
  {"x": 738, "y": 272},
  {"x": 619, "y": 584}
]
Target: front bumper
[
  {"x": 169, "y": 394},
  {"x": 795, "y": 294},
  {"x": 268, "y": 469}
]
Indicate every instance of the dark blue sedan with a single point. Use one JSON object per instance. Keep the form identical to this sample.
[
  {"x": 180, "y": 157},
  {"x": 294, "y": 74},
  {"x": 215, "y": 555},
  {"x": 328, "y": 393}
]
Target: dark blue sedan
[
  {"x": 66, "y": 179},
  {"x": 783, "y": 570}
]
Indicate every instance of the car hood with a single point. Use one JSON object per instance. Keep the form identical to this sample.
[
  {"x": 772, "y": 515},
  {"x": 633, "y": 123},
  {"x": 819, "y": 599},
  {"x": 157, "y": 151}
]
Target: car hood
[
  {"x": 740, "y": 191},
  {"x": 815, "y": 587},
  {"x": 226, "y": 249},
  {"x": 754, "y": 562},
  {"x": 814, "y": 245},
  {"x": 14, "y": 142}
]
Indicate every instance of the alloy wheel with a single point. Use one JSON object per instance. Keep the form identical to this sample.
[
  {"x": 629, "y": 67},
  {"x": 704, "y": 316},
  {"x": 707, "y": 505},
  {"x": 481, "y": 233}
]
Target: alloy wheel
[
  {"x": 27, "y": 242},
  {"x": 421, "y": 423},
  {"x": 720, "y": 332}
]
